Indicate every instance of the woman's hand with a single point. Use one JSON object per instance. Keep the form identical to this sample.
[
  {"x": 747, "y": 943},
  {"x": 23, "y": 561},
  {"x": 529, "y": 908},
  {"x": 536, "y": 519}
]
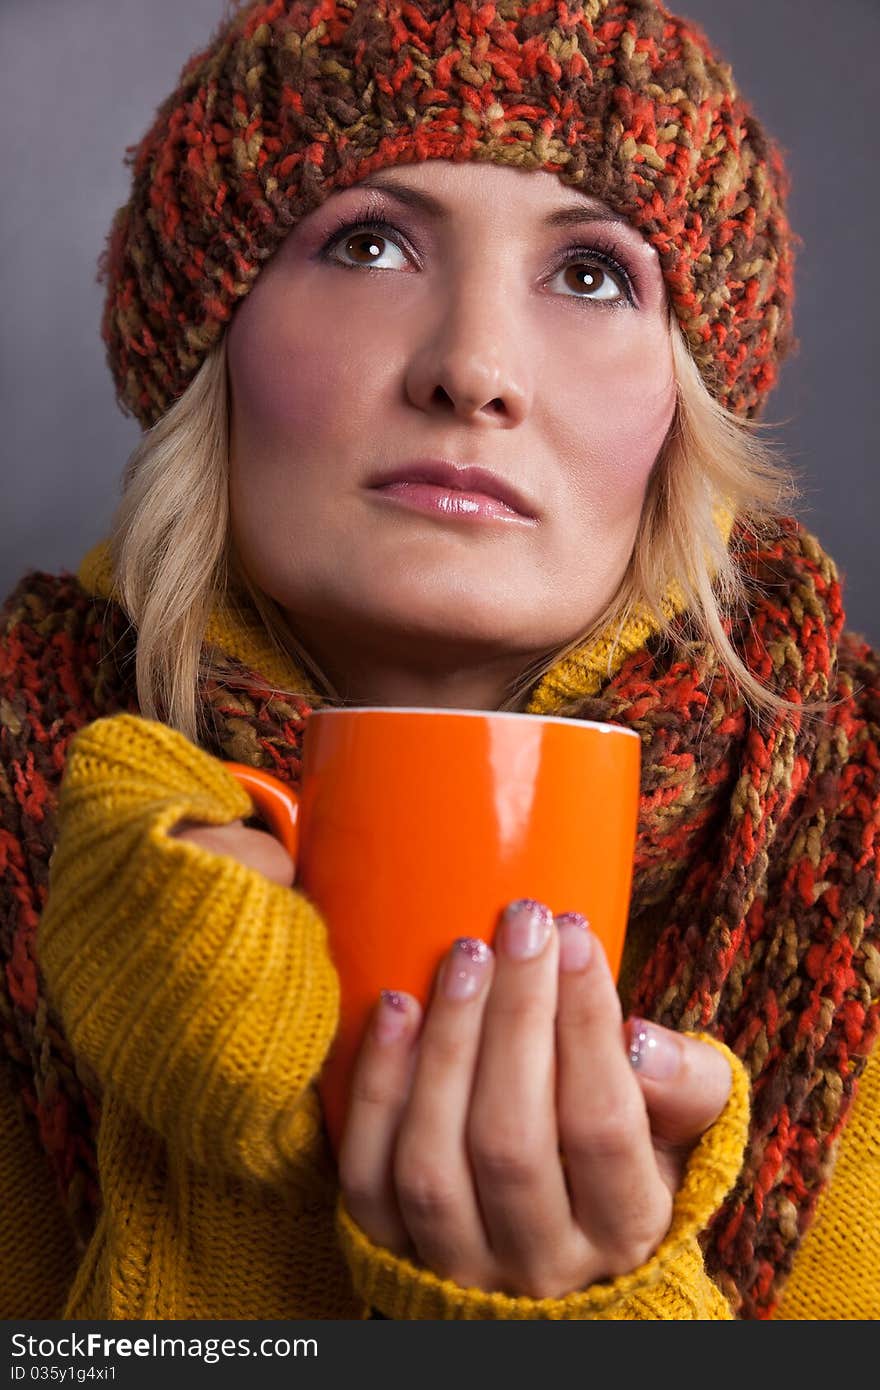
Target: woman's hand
[
  {"x": 155, "y": 951},
  {"x": 523, "y": 1139},
  {"x": 256, "y": 849}
]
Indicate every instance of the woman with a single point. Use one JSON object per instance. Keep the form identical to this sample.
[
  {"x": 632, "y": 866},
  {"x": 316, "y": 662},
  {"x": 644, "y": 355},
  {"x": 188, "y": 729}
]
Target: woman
[{"x": 552, "y": 246}]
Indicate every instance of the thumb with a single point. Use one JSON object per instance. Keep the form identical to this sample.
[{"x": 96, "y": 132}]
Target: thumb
[
  {"x": 685, "y": 1081},
  {"x": 255, "y": 849}
]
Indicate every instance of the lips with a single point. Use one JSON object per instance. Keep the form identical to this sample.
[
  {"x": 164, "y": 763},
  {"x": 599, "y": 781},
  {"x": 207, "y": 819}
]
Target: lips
[{"x": 443, "y": 473}]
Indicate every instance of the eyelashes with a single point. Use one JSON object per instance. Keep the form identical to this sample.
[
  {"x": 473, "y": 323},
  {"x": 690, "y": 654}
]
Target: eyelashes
[
  {"x": 604, "y": 253},
  {"x": 347, "y": 227},
  {"x": 607, "y": 253}
]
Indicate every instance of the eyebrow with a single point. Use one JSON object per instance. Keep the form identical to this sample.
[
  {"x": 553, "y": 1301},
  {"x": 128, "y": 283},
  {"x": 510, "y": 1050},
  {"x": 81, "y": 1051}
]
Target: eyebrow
[{"x": 570, "y": 215}]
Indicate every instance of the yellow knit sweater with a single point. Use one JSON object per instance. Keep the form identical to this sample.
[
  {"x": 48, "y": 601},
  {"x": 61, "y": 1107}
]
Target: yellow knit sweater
[{"x": 201, "y": 999}]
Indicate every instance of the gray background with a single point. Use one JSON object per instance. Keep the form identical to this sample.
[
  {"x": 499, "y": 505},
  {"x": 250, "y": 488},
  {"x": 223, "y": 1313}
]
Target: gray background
[{"x": 81, "y": 79}]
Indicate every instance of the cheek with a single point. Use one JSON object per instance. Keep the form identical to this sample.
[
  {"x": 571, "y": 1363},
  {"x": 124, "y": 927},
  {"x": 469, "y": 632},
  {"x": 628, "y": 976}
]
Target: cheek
[
  {"x": 619, "y": 406},
  {"x": 285, "y": 383}
]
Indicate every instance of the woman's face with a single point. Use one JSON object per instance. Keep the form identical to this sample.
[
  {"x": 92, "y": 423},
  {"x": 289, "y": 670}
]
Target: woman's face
[{"x": 482, "y": 322}]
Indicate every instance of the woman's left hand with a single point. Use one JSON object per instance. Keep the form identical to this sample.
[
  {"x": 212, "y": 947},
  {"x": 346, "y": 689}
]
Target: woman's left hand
[{"x": 524, "y": 1139}]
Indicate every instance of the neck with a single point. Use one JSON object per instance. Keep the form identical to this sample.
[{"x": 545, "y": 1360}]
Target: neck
[{"x": 441, "y": 678}]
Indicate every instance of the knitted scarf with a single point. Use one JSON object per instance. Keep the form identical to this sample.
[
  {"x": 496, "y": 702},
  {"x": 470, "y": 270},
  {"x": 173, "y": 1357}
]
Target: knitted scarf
[{"x": 757, "y": 853}]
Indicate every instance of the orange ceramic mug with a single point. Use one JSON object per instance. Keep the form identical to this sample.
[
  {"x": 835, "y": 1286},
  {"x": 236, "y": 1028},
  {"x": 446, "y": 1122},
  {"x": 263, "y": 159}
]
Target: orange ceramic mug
[{"x": 415, "y": 826}]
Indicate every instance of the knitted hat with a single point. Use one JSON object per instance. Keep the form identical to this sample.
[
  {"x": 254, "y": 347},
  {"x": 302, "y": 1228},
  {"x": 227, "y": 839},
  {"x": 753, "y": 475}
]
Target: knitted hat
[{"x": 296, "y": 98}]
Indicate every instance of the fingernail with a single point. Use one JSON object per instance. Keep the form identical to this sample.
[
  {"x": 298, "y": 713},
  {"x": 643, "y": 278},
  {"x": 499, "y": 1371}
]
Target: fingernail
[
  {"x": 465, "y": 967},
  {"x": 575, "y": 941},
  {"x": 525, "y": 928},
  {"x": 392, "y": 1016},
  {"x": 653, "y": 1052}
]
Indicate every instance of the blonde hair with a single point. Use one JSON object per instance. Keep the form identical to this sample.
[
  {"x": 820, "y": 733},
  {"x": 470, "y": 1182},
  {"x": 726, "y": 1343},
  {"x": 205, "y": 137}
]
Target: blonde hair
[{"x": 172, "y": 555}]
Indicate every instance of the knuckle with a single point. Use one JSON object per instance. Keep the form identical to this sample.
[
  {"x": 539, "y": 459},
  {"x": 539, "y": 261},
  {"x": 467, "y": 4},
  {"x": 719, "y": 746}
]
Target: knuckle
[
  {"x": 357, "y": 1190},
  {"x": 582, "y": 1010},
  {"x": 577, "y": 1014},
  {"x": 372, "y": 1089},
  {"x": 356, "y": 1180},
  {"x": 424, "y": 1190},
  {"x": 606, "y": 1134},
  {"x": 646, "y": 1225},
  {"x": 503, "y": 1153},
  {"x": 448, "y": 1050},
  {"x": 647, "y": 1222},
  {"x": 523, "y": 1012},
  {"x": 547, "y": 1274},
  {"x": 545, "y": 1285},
  {"x": 537, "y": 1284},
  {"x": 626, "y": 1257},
  {"x": 466, "y": 1276}
]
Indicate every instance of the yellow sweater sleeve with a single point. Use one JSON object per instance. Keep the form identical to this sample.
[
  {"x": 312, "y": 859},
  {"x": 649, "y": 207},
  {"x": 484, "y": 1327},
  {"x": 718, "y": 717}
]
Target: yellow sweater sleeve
[
  {"x": 198, "y": 991},
  {"x": 672, "y": 1286},
  {"x": 203, "y": 998}
]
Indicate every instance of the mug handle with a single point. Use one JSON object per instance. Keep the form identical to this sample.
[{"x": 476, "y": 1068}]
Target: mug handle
[{"x": 276, "y": 803}]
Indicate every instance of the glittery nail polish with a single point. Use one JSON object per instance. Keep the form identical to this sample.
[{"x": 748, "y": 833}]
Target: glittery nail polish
[
  {"x": 392, "y": 1015},
  {"x": 653, "y": 1051},
  {"x": 575, "y": 941},
  {"x": 465, "y": 967},
  {"x": 525, "y": 928}
]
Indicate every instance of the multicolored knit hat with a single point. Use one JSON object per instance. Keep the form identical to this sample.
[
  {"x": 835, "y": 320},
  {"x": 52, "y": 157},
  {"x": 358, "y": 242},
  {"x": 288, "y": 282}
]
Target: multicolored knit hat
[{"x": 294, "y": 99}]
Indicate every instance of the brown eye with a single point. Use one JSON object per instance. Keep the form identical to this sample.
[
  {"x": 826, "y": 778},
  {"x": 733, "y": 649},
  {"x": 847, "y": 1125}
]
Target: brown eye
[
  {"x": 587, "y": 278},
  {"x": 362, "y": 246}
]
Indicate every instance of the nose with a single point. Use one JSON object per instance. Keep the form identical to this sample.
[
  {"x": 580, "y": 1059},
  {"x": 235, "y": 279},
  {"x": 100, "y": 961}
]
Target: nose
[{"x": 473, "y": 360}]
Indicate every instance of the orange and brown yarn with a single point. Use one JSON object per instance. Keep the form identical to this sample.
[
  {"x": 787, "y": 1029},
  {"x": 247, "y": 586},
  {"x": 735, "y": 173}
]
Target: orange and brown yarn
[
  {"x": 292, "y": 100},
  {"x": 757, "y": 845},
  {"x": 757, "y": 851}
]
